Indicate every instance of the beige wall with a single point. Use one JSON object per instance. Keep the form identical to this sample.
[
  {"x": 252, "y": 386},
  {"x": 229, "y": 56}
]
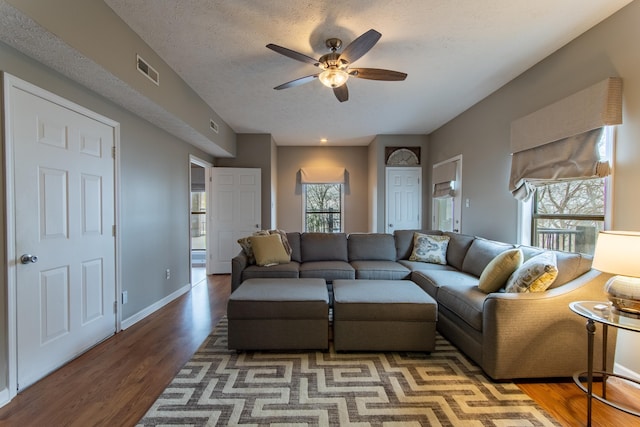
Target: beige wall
[
  {"x": 481, "y": 134},
  {"x": 353, "y": 159}
]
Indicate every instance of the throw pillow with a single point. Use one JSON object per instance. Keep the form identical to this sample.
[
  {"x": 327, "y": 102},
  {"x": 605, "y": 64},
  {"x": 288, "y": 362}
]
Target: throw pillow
[
  {"x": 429, "y": 248},
  {"x": 497, "y": 272},
  {"x": 283, "y": 237},
  {"x": 245, "y": 244},
  {"x": 535, "y": 274},
  {"x": 269, "y": 250}
]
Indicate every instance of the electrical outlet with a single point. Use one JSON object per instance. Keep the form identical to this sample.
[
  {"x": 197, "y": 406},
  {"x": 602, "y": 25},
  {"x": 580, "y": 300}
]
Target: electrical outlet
[
  {"x": 168, "y": 274},
  {"x": 125, "y": 297}
]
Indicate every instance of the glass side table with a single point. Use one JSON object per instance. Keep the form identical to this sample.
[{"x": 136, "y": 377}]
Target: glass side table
[{"x": 605, "y": 314}]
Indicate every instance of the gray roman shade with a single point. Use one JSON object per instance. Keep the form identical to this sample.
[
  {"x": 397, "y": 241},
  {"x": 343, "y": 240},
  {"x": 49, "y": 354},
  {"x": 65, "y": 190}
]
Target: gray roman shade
[
  {"x": 444, "y": 177},
  {"x": 322, "y": 175},
  {"x": 563, "y": 140}
]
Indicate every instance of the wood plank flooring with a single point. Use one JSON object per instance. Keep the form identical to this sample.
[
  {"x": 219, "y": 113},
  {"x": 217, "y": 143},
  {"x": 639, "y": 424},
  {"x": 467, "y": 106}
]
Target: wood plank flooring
[{"x": 116, "y": 382}]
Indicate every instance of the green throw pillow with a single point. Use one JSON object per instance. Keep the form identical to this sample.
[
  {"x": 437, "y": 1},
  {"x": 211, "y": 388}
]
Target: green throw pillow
[
  {"x": 497, "y": 272},
  {"x": 429, "y": 248},
  {"x": 535, "y": 274}
]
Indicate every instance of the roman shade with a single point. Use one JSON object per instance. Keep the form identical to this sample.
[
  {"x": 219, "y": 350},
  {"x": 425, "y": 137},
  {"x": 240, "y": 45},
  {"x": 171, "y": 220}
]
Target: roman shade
[
  {"x": 564, "y": 140},
  {"x": 322, "y": 175},
  {"x": 444, "y": 177}
]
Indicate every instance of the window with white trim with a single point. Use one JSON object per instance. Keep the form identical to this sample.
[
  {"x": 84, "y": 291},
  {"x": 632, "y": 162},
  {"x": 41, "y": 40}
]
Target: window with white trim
[{"x": 323, "y": 207}]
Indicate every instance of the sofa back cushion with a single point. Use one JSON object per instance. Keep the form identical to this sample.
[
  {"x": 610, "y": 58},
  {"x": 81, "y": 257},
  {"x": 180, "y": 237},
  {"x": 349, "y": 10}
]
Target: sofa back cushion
[
  {"x": 570, "y": 265},
  {"x": 371, "y": 247},
  {"x": 294, "y": 241},
  {"x": 459, "y": 244},
  {"x": 480, "y": 253},
  {"x": 324, "y": 247},
  {"x": 404, "y": 241}
]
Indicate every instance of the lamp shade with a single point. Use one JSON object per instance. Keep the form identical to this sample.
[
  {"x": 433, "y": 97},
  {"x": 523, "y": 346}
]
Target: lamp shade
[{"x": 618, "y": 252}]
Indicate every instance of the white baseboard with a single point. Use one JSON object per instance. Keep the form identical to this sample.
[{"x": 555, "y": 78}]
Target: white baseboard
[
  {"x": 622, "y": 370},
  {"x": 130, "y": 321},
  {"x": 4, "y": 397}
]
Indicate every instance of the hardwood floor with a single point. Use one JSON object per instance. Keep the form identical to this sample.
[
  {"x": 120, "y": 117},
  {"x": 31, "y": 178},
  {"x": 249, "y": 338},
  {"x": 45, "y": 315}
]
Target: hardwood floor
[{"x": 115, "y": 383}]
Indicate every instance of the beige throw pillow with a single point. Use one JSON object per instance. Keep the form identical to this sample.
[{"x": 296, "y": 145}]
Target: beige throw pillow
[
  {"x": 269, "y": 250},
  {"x": 535, "y": 274},
  {"x": 429, "y": 248},
  {"x": 497, "y": 272}
]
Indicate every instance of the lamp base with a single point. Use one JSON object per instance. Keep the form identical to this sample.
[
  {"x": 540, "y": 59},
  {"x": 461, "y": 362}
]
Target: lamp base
[{"x": 624, "y": 293}]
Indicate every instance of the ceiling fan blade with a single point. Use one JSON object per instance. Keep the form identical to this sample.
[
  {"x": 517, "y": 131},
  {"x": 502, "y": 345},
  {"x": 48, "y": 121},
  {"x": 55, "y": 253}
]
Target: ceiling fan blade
[
  {"x": 293, "y": 54},
  {"x": 377, "y": 74},
  {"x": 341, "y": 92},
  {"x": 360, "y": 46},
  {"x": 297, "y": 82}
]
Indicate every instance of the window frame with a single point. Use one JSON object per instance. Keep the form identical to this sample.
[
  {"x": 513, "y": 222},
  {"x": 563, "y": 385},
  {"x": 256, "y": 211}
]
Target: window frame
[
  {"x": 525, "y": 209},
  {"x": 304, "y": 205}
]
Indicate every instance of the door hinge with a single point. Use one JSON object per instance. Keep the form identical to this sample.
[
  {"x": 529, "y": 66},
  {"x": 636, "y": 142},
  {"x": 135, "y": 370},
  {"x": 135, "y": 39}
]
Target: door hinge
[
  {"x": 113, "y": 151},
  {"x": 115, "y": 307},
  {"x": 113, "y": 230}
]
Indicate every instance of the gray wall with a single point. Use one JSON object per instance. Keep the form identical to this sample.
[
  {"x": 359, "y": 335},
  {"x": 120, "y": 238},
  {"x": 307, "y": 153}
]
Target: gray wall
[
  {"x": 353, "y": 159},
  {"x": 257, "y": 151},
  {"x": 154, "y": 197},
  {"x": 481, "y": 134},
  {"x": 377, "y": 176}
]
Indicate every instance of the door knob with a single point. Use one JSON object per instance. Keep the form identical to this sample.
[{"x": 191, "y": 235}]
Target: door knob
[
  {"x": 390, "y": 225},
  {"x": 28, "y": 259}
]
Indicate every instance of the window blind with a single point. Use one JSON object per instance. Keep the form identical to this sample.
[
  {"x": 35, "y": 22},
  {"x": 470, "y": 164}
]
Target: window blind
[
  {"x": 444, "y": 177},
  {"x": 322, "y": 175}
]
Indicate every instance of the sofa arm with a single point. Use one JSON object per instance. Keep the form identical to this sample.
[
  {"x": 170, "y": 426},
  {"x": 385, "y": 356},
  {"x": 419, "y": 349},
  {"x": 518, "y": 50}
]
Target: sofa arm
[
  {"x": 537, "y": 335},
  {"x": 238, "y": 264}
]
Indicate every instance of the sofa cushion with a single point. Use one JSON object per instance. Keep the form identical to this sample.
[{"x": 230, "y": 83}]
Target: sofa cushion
[
  {"x": 570, "y": 265},
  {"x": 431, "y": 280},
  {"x": 480, "y": 253},
  {"x": 380, "y": 270},
  {"x": 404, "y": 241},
  {"x": 535, "y": 275},
  {"x": 294, "y": 242},
  {"x": 460, "y": 294},
  {"x": 419, "y": 266},
  {"x": 269, "y": 250},
  {"x": 324, "y": 247},
  {"x": 459, "y": 244},
  {"x": 328, "y": 270},
  {"x": 498, "y": 271},
  {"x": 429, "y": 248},
  {"x": 287, "y": 270},
  {"x": 371, "y": 247}
]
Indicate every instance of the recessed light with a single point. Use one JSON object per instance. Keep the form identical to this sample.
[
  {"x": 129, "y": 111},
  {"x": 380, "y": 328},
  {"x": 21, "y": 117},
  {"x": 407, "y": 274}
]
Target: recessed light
[{"x": 323, "y": 140}]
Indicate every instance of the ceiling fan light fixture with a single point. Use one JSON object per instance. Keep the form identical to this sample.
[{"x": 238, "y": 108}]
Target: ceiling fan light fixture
[{"x": 333, "y": 77}]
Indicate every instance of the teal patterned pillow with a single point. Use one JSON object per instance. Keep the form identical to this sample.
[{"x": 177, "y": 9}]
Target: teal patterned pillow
[{"x": 429, "y": 248}]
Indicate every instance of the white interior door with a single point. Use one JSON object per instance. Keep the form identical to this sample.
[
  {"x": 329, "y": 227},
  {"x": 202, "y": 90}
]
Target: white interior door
[
  {"x": 403, "y": 198},
  {"x": 235, "y": 212},
  {"x": 63, "y": 196}
]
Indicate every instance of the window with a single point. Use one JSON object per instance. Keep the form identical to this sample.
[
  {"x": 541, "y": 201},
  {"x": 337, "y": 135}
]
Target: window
[
  {"x": 323, "y": 207},
  {"x": 568, "y": 215}
]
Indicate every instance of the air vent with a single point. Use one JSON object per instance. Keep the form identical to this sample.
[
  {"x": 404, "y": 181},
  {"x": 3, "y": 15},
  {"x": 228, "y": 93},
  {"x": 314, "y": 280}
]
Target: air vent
[
  {"x": 147, "y": 70},
  {"x": 213, "y": 125}
]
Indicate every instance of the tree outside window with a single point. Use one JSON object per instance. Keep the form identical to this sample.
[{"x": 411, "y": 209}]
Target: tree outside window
[
  {"x": 323, "y": 208},
  {"x": 568, "y": 215}
]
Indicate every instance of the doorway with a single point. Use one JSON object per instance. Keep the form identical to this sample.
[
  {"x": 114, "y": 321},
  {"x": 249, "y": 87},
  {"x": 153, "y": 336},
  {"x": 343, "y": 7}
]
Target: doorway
[
  {"x": 198, "y": 212},
  {"x": 447, "y": 195},
  {"x": 403, "y": 198}
]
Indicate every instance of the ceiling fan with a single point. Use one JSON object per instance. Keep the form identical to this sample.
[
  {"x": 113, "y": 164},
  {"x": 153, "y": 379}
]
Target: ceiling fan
[{"x": 336, "y": 66}]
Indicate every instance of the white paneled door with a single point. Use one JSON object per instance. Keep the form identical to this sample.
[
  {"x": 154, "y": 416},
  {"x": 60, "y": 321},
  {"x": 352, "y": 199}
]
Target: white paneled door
[
  {"x": 63, "y": 195},
  {"x": 403, "y": 198},
  {"x": 235, "y": 212}
]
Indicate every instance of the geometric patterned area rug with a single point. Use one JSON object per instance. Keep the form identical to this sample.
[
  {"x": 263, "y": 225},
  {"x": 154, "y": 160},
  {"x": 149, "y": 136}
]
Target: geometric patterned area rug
[{"x": 221, "y": 387}]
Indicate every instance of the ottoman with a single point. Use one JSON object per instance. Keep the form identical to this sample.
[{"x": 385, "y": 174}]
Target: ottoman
[
  {"x": 383, "y": 315},
  {"x": 279, "y": 314}
]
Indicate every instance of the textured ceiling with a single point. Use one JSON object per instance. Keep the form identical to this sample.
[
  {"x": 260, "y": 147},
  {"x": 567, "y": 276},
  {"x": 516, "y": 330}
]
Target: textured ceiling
[{"x": 456, "y": 52}]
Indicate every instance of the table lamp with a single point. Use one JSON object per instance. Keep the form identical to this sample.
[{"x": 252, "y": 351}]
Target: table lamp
[{"x": 618, "y": 252}]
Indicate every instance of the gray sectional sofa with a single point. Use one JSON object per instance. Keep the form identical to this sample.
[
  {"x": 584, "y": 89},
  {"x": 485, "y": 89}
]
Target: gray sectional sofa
[{"x": 509, "y": 335}]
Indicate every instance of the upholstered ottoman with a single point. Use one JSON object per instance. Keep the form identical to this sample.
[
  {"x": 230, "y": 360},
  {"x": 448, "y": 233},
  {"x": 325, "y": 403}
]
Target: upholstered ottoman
[
  {"x": 383, "y": 315},
  {"x": 279, "y": 314}
]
